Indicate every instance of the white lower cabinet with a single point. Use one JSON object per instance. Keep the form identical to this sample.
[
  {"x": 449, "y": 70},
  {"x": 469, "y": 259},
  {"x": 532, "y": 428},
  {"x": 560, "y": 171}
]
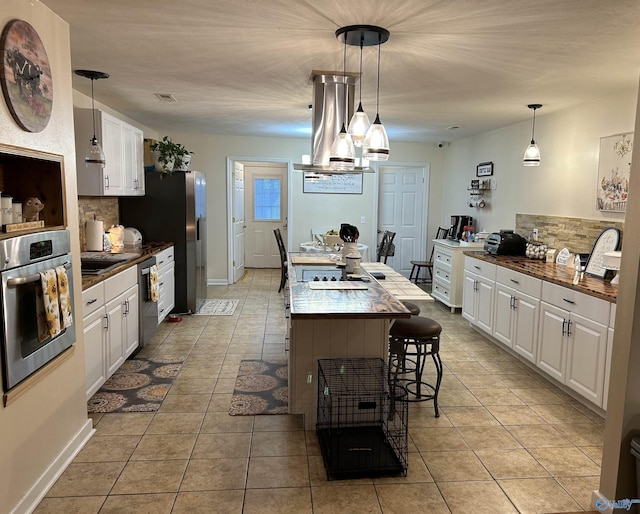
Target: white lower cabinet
[
  {"x": 478, "y": 289},
  {"x": 573, "y": 340},
  {"x": 517, "y": 307},
  {"x": 166, "y": 282},
  {"x": 110, "y": 326}
]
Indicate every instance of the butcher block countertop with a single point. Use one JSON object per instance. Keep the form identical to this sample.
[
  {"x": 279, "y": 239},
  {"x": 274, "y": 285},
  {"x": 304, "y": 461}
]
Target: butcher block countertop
[
  {"x": 554, "y": 273},
  {"x": 144, "y": 251}
]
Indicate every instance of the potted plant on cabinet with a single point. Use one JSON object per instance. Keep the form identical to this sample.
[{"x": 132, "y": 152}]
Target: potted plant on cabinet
[{"x": 169, "y": 156}]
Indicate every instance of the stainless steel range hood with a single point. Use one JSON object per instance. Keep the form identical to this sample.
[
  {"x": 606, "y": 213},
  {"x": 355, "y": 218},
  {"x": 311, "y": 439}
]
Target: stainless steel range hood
[{"x": 330, "y": 90}]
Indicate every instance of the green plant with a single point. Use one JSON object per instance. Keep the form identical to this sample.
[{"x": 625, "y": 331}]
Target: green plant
[{"x": 170, "y": 155}]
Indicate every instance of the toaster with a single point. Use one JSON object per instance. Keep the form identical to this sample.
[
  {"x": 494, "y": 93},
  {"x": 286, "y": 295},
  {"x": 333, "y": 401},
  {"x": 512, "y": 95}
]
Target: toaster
[
  {"x": 132, "y": 236},
  {"x": 505, "y": 242}
]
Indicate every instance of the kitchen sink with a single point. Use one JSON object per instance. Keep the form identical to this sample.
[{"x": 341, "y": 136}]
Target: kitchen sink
[{"x": 97, "y": 263}]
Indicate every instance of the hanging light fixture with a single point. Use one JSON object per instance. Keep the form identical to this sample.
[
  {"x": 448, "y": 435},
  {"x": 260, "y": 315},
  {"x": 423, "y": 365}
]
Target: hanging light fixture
[
  {"x": 343, "y": 153},
  {"x": 376, "y": 142},
  {"x": 532, "y": 153},
  {"x": 94, "y": 154},
  {"x": 359, "y": 123}
]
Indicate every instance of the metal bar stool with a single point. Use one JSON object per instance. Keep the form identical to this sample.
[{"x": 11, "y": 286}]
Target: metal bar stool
[{"x": 411, "y": 341}]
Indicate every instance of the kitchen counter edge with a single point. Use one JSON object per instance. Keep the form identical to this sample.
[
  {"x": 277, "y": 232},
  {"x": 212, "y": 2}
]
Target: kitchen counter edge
[
  {"x": 552, "y": 272},
  {"x": 146, "y": 251}
]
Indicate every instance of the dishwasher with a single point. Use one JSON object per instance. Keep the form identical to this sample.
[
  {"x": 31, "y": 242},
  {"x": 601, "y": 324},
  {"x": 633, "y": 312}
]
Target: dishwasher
[{"x": 148, "y": 322}]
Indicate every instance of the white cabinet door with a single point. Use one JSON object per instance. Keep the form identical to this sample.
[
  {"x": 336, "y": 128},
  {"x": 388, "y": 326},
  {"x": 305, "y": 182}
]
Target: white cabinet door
[
  {"x": 586, "y": 354},
  {"x": 94, "y": 345},
  {"x": 132, "y": 160},
  {"x": 484, "y": 304},
  {"x": 607, "y": 368},
  {"x": 525, "y": 327},
  {"x": 115, "y": 311},
  {"x": 112, "y": 147},
  {"x": 503, "y": 322},
  {"x": 138, "y": 161},
  {"x": 469, "y": 296},
  {"x": 552, "y": 341},
  {"x": 132, "y": 319}
]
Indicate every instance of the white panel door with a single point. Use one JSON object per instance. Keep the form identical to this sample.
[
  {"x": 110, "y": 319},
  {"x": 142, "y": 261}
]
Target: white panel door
[
  {"x": 266, "y": 210},
  {"x": 238, "y": 221},
  {"x": 402, "y": 210}
]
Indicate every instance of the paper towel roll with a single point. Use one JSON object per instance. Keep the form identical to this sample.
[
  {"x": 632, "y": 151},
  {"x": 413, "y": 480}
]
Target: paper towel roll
[{"x": 95, "y": 233}]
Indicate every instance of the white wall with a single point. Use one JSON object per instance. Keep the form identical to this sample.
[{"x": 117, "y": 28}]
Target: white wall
[{"x": 565, "y": 182}]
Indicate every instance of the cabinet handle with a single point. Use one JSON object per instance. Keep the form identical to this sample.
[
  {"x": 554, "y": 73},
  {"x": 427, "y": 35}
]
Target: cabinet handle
[
  {"x": 126, "y": 307},
  {"x": 515, "y": 281},
  {"x": 564, "y": 323},
  {"x": 93, "y": 300},
  {"x": 568, "y": 301},
  {"x": 106, "y": 323},
  {"x": 477, "y": 267},
  {"x": 475, "y": 285},
  {"x": 106, "y": 182},
  {"x": 569, "y": 327}
]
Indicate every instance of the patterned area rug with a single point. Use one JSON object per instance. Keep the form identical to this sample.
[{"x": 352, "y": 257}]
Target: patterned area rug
[
  {"x": 139, "y": 385},
  {"x": 261, "y": 388},
  {"x": 218, "y": 308}
]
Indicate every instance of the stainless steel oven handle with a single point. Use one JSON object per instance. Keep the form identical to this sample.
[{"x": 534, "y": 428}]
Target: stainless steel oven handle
[{"x": 12, "y": 282}]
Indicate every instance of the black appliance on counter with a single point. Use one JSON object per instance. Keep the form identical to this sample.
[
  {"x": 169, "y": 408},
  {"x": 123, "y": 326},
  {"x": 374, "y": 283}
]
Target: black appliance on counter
[
  {"x": 505, "y": 242},
  {"x": 458, "y": 222}
]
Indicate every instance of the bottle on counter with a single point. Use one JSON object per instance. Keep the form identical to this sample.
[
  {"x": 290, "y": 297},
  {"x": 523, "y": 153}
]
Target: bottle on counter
[{"x": 470, "y": 234}]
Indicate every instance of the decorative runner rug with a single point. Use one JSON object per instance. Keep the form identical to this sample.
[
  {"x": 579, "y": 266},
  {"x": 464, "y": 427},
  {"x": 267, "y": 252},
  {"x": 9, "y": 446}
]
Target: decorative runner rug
[
  {"x": 218, "y": 308},
  {"x": 139, "y": 385},
  {"x": 261, "y": 388}
]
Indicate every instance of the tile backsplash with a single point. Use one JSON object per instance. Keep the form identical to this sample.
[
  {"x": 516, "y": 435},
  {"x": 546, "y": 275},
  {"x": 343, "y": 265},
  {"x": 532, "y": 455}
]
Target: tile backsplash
[
  {"x": 576, "y": 234},
  {"x": 104, "y": 208}
]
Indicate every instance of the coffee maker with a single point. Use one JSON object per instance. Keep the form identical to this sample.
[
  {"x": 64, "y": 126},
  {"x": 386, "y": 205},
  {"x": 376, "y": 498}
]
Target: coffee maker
[{"x": 458, "y": 222}]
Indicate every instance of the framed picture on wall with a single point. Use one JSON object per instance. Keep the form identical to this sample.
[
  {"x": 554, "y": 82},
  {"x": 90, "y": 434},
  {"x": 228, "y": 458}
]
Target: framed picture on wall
[
  {"x": 484, "y": 169},
  {"x": 614, "y": 170}
]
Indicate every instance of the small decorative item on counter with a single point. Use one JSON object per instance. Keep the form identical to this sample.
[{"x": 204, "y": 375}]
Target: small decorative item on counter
[
  {"x": 551, "y": 255},
  {"x": 31, "y": 209},
  {"x": 470, "y": 234},
  {"x": 465, "y": 231},
  {"x": 6, "y": 202},
  {"x": 17, "y": 211},
  {"x": 536, "y": 250}
]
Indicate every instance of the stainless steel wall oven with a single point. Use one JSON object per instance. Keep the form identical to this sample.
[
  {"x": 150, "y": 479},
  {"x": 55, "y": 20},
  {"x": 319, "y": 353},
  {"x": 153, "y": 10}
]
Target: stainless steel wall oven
[{"x": 22, "y": 259}]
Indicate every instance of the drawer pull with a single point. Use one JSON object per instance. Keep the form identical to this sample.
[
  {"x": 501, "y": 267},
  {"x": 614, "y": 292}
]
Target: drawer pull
[
  {"x": 568, "y": 301},
  {"x": 515, "y": 281},
  {"x": 93, "y": 300}
]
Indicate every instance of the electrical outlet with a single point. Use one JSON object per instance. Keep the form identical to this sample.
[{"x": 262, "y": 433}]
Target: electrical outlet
[
  {"x": 363, "y": 220},
  {"x": 535, "y": 234}
]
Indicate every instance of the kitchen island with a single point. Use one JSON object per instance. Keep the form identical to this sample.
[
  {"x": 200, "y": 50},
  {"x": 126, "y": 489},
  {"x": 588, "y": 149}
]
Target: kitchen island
[{"x": 331, "y": 319}]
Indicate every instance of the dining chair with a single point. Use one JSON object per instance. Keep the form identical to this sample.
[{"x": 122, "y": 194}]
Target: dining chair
[
  {"x": 386, "y": 248},
  {"x": 283, "y": 259},
  {"x": 418, "y": 265}
]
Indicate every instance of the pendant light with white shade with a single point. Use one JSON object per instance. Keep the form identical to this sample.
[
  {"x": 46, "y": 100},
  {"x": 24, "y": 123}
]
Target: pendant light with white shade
[
  {"x": 532, "y": 153},
  {"x": 359, "y": 123},
  {"x": 343, "y": 153},
  {"x": 94, "y": 154},
  {"x": 376, "y": 142}
]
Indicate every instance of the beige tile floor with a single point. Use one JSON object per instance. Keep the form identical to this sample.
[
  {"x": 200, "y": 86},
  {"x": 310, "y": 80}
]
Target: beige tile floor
[{"x": 506, "y": 441}]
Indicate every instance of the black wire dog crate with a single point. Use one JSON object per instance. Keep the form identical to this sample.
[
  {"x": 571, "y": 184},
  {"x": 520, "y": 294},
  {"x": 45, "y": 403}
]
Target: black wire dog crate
[{"x": 362, "y": 419}]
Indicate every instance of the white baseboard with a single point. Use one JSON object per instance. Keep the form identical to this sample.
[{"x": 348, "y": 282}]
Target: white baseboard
[
  {"x": 34, "y": 496},
  {"x": 595, "y": 496},
  {"x": 217, "y": 282}
]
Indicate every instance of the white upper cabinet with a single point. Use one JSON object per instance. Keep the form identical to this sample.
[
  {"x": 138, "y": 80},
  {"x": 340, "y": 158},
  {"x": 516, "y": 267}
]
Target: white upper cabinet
[{"x": 122, "y": 143}]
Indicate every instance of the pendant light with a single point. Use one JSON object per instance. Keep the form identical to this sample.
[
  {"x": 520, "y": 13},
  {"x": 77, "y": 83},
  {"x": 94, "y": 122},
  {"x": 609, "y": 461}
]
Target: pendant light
[
  {"x": 343, "y": 153},
  {"x": 359, "y": 123},
  {"x": 532, "y": 153},
  {"x": 376, "y": 142},
  {"x": 94, "y": 154}
]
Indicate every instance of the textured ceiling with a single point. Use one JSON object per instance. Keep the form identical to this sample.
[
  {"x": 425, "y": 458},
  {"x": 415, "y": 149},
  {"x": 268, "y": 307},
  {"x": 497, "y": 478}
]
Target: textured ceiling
[{"x": 242, "y": 67}]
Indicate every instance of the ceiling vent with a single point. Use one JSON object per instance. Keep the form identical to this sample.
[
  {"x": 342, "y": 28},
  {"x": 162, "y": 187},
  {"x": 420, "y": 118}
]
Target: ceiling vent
[{"x": 165, "y": 97}]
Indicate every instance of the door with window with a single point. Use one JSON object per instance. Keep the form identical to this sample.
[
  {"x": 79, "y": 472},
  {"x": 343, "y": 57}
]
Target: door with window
[{"x": 266, "y": 210}]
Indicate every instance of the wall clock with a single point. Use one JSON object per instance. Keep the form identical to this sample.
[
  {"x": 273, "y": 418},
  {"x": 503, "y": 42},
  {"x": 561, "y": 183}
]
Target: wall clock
[
  {"x": 25, "y": 76},
  {"x": 607, "y": 241}
]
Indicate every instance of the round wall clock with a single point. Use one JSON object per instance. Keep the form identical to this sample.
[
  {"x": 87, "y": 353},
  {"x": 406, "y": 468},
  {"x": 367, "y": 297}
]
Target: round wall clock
[{"x": 26, "y": 76}]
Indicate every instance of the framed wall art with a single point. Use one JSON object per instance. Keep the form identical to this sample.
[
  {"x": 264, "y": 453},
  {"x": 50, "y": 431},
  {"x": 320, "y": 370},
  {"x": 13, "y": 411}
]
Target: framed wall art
[
  {"x": 607, "y": 241},
  {"x": 25, "y": 76},
  {"x": 484, "y": 169},
  {"x": 342, "y": 183},
  {"x": 614, "y": 170}
]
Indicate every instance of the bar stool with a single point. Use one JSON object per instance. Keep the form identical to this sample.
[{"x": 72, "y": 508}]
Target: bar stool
[{"x": 411, "y": 341}]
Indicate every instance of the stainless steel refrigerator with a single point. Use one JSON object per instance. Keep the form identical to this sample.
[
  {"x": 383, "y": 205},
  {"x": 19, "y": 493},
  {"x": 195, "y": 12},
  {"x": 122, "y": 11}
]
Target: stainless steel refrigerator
[{"x": 174, "y": 209}]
